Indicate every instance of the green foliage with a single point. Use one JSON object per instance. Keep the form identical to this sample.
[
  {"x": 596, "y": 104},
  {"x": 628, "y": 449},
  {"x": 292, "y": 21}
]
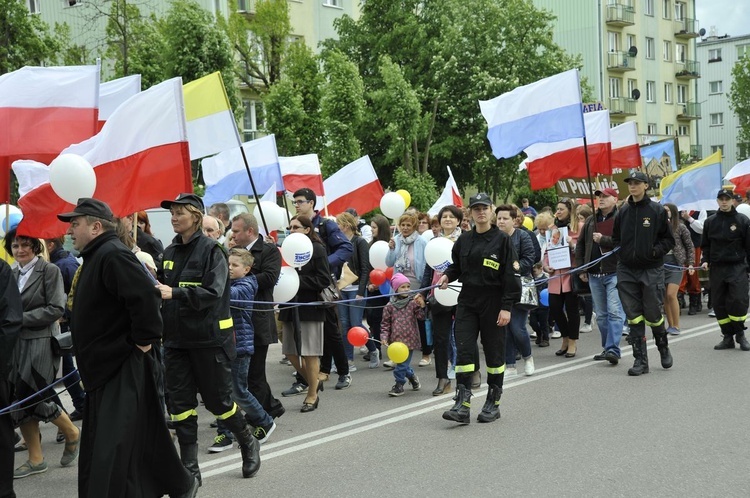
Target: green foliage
[
  {"x": 25, "y": 39},
  {"x": 537, "y": 198},
  {"x": 285, "y": 114},
  {"x": 739, "y": 101},
  {"x": 122, "y": 19},
  {"x": 421, "y": 187},
  {"x": 70, "y": 54}
]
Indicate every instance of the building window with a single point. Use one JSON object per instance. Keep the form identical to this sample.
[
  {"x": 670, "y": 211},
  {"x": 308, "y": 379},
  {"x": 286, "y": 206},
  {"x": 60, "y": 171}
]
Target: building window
[
  {"x": 717, "y": 118},
  {"x": 254, "y": 119},
  {"x": 72, "y": 3},
  {"x": 630, "y": 39},
  {"x": 680, "y": 10},
  {"x": 332, "y": 3},
  {"x": 667, "y": 93},
  {"x": 651, "y": 91},
  {"x": 613, "y": 40},
  {"x": 650, "y": 48},
  {"x": 242, "y": 5},
  {"x": 615, "y": 87},
  {"x": 33, "y": 6},
  {"x": 651, "y": 129},
  {"x": 683, "y": 130},
  {"x": 666, "y": 10},
  {"x": 682, "y": 93},
  {"x": 680, "y": 53},
  {"x": 743, "y": 50},
  {"x": 632, "y": 85},
  {"x": 743, "y": 151},
  {"x": 669, "y": 130},
  {"x": 667, "y": 51},
  {"x": 649, "y": 7},
  {"x": 717, "y": 148},
  {"x": 715, "y": 87},
  {"x": 714, "y": 55}
]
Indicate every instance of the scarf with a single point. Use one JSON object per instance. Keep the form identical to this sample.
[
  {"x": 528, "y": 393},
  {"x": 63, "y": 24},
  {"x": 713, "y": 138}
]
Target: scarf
[
  {"x": 455, "y": 234},
  {"x": 402, "y": 261},
  {"x": 400, "y": 302},
  {"x": 24, "y": 272}
]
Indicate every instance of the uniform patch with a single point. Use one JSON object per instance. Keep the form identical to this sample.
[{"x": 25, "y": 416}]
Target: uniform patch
[
  {"x": 646, "y": 222},
  {"x": 491, "y": 264},
  {"x": 516, "y": 266},
  {"x": 733, "y": 227}
]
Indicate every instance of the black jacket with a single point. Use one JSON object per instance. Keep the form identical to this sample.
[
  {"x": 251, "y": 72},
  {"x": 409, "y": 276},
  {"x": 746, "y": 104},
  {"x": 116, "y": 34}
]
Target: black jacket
[
  {"x": 11, "y": 317},
  {"x": 726, "y": 239},
  {"x": 359, "y": 263},
  {"x": 313, "y": 278},
  {"x": 587, "y": 249},
  {"x": 266, "y": 268},
  {"x": 116, "y": 306},
  {"x": 151, "y": 245},
  {"x": 642, "y": 231}
]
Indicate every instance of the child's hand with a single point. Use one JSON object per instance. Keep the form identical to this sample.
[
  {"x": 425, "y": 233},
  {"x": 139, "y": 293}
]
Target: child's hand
[
  {"x": 419, "y": 299},
  {"x": 384, "y": 343}
]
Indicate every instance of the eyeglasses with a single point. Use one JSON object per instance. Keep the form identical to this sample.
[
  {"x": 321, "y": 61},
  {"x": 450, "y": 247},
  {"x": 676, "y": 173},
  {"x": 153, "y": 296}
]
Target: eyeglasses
[
  {"x": 297, "y": 203},
  {"x": 423, "y": 222},
  {"x": 294, "y": 227}
]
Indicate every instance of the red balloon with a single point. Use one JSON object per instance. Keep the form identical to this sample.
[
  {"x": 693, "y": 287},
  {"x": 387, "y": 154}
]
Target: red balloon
[
  {"x": 389, "y": 273},
  {"x": 377, "y": 277},
  {"x": 357, "y": 336}
]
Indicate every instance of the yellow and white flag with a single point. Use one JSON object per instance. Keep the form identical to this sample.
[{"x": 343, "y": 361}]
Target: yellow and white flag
[{"x": 210, "y": 123}]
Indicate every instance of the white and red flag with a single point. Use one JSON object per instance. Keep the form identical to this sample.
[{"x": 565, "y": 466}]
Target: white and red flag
[
  {"x": 626, "y": 153},
  {"x": 140, "y": 158},
  {"x": 740, "y": 176},
  {"x": 450, "y": 196},
  {"x": 356, "y": 185},
  {"x": 302, "y": 172},
  {"x": 113, "y": 93}
]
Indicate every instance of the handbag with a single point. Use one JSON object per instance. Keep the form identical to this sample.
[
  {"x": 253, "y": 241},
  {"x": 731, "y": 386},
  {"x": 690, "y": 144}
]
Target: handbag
[
  {"x": 348, "y": 277},
  {"x": 579, "y": 286},
  {"x": 331, "y": 294},
  {"x": 62, "y": 344},
  {"x": 529, "y": 295}
]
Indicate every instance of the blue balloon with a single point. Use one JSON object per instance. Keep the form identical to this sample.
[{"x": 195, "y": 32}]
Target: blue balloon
[
  {"x": 385, "y": 288},
  {"x": 544, "y": 297},
  {"x": 13, "y": 219}
]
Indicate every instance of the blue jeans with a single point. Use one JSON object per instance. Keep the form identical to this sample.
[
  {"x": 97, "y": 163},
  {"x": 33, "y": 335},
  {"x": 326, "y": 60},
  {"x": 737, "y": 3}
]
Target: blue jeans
[
  {"x": 516, "y": 336},
  {"x": 403, "y": 370},
  {"x": 244, "y": 398},
  {"x": 350, "y": 315},
  {"x": 609, "y": 314}
]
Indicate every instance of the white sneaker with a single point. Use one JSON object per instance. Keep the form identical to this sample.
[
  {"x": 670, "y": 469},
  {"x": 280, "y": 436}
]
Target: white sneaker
[
  {"x": 586, "y": 327},
  {"x": 556, "y": 334},
  {"x": 389, "y": 364},
  {"x": 528, "y": 366},
  {"x": 532, "y": 335},
  {"x": 510, "y": 373},
  {"x": 712, "y": 313},
  {"x": 363, "y": 350},
  {"x": 374, "y": 359}
]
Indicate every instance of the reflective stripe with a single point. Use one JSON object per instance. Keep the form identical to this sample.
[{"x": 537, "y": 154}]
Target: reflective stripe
[
  {"x": 466, "y": 404},
  {"x": 225, "y": 323},
  {"x": 188, "y": 284},
  {"x": 168, "y": 265},
  {"x": 738, "y": 318},
  {"x": 655, "y": 324},
  {"x": 465, "y": 368},
  {"x": 496, "y": 370},
  {"x": 724, "y": 321},
  {"x": 636, "y": 320},
  {"x": 182, "y": 416},
  {"x": 228, "y": 414}
]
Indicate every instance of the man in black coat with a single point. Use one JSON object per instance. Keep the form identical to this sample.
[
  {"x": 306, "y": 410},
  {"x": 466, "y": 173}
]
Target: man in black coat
[{"x": 11, "y": 316}]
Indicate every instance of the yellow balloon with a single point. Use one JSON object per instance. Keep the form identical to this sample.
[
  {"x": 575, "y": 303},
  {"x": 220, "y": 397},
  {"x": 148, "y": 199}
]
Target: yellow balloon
[
  {"x": 405, "y": 195},
  {"x": 398, "y": 352},
  {"x": 528, "y": 223}
]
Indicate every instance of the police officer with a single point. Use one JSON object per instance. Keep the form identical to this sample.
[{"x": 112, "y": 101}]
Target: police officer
[
  {"x": 485, "y": 262},
  {"x": 198, "y": 334},
  {"x": 641, "y": 229},
  {"x": 726, "y": 251}
]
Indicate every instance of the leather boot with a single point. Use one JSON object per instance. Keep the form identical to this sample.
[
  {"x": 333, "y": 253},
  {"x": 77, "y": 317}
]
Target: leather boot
[
  {"x": 461, "y": 411},
  {"x": 189, "y": 457},
  {"x": 694, "y": 302},
  {"x": 250, "y": 450},
  {"x": 491, "y": 409},
  {"x": 640, "y": 366},
  {"x": 681, "y": 299},
  {"x": 192, "y": 491},
  {"x": 728, "y": 341},
  {"x": 742, "y": 341},
  {"x": 662, "y": 344}
]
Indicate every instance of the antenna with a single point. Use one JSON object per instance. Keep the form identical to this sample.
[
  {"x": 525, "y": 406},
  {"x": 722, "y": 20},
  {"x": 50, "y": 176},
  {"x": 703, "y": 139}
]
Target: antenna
[
  {"x": 702, "y": 32},
  {"x": 636, "y": 94},
  {"x": 632, "y": 51}
]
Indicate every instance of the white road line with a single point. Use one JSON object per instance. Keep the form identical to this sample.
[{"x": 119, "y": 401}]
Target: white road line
[{"x": 346, "y": 429}]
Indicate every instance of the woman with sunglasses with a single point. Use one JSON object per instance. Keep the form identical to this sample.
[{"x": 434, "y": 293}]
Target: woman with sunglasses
[{"x": 303, "y": 325}]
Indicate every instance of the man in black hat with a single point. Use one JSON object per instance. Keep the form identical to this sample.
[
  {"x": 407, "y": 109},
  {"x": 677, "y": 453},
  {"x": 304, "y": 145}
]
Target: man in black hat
[
  {"x": 486, "y": 262},
  {"x": 199, "y": 335},
  {"x": 726, "y": 252},
  {"x": 642, "y": 232},
  {"x": 11, "y": 317},
  {"x": 126, "y": 449}
]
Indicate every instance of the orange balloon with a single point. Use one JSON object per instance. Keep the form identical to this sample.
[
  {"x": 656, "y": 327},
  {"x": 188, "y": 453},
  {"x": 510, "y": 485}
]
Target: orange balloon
[{"x": 389, "y": 273}]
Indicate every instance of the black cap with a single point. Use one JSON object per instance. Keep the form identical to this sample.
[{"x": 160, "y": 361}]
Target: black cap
[
  {"x": 737, "y": 197},
  {"x": 637, "y": 176},
  {"x": 88, "y": 207},
  {"x": 480, "y": 198},
  {"x": 191, "y": 199},
  {"x": 725, "y": 192}
]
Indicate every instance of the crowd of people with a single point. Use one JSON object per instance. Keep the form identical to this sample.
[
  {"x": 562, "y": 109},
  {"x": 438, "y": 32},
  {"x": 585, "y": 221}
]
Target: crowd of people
[{"x": 197, "y": 318}]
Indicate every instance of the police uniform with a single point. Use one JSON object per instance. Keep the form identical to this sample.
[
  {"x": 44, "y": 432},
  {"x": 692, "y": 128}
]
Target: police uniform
[
  {"x": 726, "y": 249},
  {"x": 199, "y": 342},
  {"x": 642, "y": 232},
  {"x": 486, "y": 264}
]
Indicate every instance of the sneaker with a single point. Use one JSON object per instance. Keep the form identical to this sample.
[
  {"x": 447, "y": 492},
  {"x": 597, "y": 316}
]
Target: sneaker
[
  {"x": 363, "y": 350},
  {"x": 344, "y": 382},
  {"x": 673, "y": 331},
  {"x": 414, "y": 381},
  {"x": 221, "y": 443},
  {"x": 544, "y": 343},
  {"x": 297, "y": 388},
  {"x": 556, "y": 334},
  {"x": 352, "y": 367},
  {"x": 60, "y": 438},
  {"x": 366, "y": 357},
  {"x": 374, "y": 359},
  {"x": 511, "y": 373},
  {"x": 396, "y": 390},
  {"x": 612, "y": 357},
  {"x": 528, "y": 366},
  {"x": 601, "y": 356},
  {"x": 285, "y": 361},
  {"x": 426, "y": 360},
  {"x": 262, "y": 433},
  {"x": 75, "y": 416},
  {"x": 389, "y": 364},
  {"x": 712, "y": 313},
  {"x": 532, "y": 335},
  {"x": 28, "y": 469},
  {"x": 586, "y": 327}
]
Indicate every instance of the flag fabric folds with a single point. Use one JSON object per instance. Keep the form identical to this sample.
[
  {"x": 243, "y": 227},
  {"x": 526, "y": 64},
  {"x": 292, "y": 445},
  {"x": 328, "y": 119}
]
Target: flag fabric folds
[
  {"x": 740, "y": 176},
  {"x": 450, "y": 196},
  {"x": 356, "y": 185},
  {"x": 302, "y": 172},
  {"x": 210, "y": 123},
  {"x": 113, "y": 93},
  {"x": 549, "y": 110},
  {"x": 225, "y": 174},
  {"x": 140, "y": 158},
  {"x": 694, "y": 187},
  {"x": 626, "y": 153},
  {"x": 549, "y": 162}
]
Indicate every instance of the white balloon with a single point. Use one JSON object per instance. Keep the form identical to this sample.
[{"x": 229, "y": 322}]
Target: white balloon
[
  {"x": 274, "y": 215},
  {"x": 378, "y": 252},
  {"x": 744, "y": 209},
  {"x": 427, "y": 235},
  {"x": 297, "y": 249},
  {"x": 72, "y": 177},
  {"x": 437, "y": 253},
  {"x": 392, "y": 205},
  {"x": 449, "y": 296},
  {"x": 287, "y": 285},
  {"x": 11, "y": 209}
]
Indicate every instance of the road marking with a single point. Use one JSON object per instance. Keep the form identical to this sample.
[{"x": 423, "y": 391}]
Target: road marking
[{"x": 354, "y": 427}]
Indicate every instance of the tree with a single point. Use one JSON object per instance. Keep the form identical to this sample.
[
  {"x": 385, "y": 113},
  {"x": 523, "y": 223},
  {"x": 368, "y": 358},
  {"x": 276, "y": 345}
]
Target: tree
[
  {"x": 70, "y": 53},
  {"x": 24, "y": 39},
  {"x": 421, "y": 187},
  {"x": 739, "y": 101}
]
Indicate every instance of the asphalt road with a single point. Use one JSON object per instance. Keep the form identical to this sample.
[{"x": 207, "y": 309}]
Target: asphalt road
[{"x": 575, "y": 428}]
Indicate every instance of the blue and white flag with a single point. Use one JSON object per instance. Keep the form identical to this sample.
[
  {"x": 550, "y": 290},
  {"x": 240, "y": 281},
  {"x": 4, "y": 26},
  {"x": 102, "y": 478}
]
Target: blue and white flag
[
  {"x": 549, "y": 110},
  {"x": 694, "y": 188}
]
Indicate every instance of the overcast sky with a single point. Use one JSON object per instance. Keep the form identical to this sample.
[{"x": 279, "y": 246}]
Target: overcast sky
[{"x": 729, "y": 16}]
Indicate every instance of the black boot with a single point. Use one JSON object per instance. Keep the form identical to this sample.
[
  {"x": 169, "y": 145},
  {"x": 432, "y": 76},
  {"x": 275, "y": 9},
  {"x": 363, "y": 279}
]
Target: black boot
[
  {"x": 640, "y": 366},
  {"x": 695, "y": 300},
  {"x": 491, "y": 409},
  {"x": 728, "y": 341},
  {"x": 681, "y": 299},
  {"x": 660, "y": 338},
  {"x": 461, "y": 411},
  {"x": 742, "y": 341},
  {"x": 192, "y": 491},
  {"x": 189, "y": 457},
  {"x": 249, "y": 446}
]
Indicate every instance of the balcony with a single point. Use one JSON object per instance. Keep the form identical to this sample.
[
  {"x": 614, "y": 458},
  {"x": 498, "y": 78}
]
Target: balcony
[
  {"x": 620, "y": 62},
  {"x": 689, "y": 111},
  {"x": 620, "y": 106},
  {"x": 620, "y": 15},
  {"x": 696, "y": 153},
  {"x": 688, "y": 70},
  {"x": 685, "y": 28}
]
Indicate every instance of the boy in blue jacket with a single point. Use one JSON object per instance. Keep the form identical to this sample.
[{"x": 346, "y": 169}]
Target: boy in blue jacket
[{"x": 242, "y": 293}]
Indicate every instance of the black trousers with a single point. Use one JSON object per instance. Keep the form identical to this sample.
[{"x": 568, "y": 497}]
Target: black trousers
[
  {"x": 564, "y": 309},
  {"x": 7, "y": 442},
  {"x": 442, "y": 321},
  {"x": 641, "y": 293},
  {"x": 333, "y": 345},
  {"x": 257, "y": 382},
  {"x": 729, "y": 295},
  {"x": 476, "y": 317}
]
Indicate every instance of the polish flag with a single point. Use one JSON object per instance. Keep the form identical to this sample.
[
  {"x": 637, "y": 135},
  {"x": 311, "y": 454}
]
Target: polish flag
[
  {"x": 113, "y": 93},
  {"x": 356, "y": 185},
  {"x": 549, "y": 162},
  {"x": 140, "y": 158},
  {"x": 740, "y": 176},
  {"x": 302, "y": 172},
  {"x": 450, "y": 196},
  {"x": 626, "y": 153}
]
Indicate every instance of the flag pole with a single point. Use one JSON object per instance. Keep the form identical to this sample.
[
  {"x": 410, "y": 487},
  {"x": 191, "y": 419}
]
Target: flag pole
[
  {"x": 588, "y": 179},
  {"x": 255, "y": 191}
]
